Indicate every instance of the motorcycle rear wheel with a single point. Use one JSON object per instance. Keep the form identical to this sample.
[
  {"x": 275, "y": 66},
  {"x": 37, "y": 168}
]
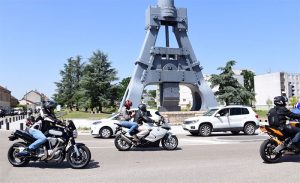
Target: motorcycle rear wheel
[
  {"x": 80, "y": 161},
  {"x": 13, "y": 159},
  {"x": 267, "y": 151},
  {"x": 121, "y": 144},
  {"x": 169, "y": 143}
]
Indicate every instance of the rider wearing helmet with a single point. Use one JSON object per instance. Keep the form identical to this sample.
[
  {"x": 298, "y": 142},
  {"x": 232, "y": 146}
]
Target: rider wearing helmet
[
  {"x": 296, "y": 109},
  {"x": 277, "y": 117},
  {"x": 143, "y": 120},
  {"x": 43, "y": 122},
  {"x": 126, "y": 116}
]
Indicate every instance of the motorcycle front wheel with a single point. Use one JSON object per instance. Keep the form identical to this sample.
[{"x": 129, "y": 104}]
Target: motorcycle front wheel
[
  {"x": 12, "y": 155},
  {"x": 169, "y": 143},
  {"x": 121, "y": 144},
  {"x": 80, "y": 161},
  {"x": 267, "y": 151}
]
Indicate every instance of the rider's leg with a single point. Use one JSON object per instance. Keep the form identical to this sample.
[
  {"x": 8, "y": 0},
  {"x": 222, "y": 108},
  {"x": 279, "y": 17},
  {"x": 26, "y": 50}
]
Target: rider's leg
[
  {"x": 296, "y": 140},
  {"x": 41, "y": 138},
  {"x": 143, "y": 130}
]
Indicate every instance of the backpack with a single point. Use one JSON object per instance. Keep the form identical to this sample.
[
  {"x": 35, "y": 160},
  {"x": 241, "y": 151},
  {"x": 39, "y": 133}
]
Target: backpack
[{"x": 273, "y": 117}]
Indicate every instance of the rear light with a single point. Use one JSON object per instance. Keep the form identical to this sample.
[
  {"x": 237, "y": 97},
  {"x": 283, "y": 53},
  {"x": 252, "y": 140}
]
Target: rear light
[{"x": 256, "y": 115}]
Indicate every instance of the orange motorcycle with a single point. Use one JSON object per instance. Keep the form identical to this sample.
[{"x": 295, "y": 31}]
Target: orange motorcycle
[{"x": 272, "y": 149}]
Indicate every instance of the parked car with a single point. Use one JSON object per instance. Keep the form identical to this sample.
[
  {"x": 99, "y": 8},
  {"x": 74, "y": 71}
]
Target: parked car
[
  {"x": 18, "y": 111},
  {"x": 9, "y": 112},
  {"x": 230, "y": 118},
  {"x": 2, "y": 113},
  {"x": 106, "y": 128}
]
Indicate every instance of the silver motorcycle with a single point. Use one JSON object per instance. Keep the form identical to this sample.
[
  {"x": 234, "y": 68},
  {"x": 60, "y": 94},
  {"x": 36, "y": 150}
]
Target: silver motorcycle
[{"x": 158, "y": 133}]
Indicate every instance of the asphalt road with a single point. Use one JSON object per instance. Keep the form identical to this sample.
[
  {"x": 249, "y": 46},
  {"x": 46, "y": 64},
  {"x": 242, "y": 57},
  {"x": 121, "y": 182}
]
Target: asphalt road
[{"x": 220, "y": 158}]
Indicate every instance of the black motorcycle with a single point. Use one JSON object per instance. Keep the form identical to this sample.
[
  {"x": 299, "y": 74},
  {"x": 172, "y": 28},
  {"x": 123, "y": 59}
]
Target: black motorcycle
[{"x": 60, "y": 144}]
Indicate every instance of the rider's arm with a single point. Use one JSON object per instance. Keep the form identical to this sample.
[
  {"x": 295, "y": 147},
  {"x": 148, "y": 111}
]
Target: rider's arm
[{"x": 289, "y": 114}]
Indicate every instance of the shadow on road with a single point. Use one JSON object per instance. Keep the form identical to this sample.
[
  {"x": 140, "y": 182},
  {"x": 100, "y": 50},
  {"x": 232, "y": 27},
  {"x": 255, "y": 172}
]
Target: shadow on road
[
  {"x": 64, "y": 165},
  {"x": 222, "y": 135},
  {"x": 287, "y": 159},
  {"x": 153, "y": 149}
]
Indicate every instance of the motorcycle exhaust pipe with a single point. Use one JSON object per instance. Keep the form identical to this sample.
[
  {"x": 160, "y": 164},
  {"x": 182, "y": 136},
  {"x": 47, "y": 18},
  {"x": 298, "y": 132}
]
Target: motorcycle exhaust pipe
[
  {"x": 279, "y": 148},
  {"x": 126, "y": 139}
]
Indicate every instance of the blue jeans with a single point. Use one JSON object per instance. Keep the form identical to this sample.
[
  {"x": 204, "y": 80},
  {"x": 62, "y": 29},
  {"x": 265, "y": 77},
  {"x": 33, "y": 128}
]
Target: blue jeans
[
  {"x": 132, "y": 126},
  {"x": 41, "y": 138}
]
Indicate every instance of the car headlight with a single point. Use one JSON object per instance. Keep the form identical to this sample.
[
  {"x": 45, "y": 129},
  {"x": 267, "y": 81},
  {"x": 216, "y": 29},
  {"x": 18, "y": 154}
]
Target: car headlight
[
  {"x": 96, "y": 122},
  {"x": 195, "y": 121}
]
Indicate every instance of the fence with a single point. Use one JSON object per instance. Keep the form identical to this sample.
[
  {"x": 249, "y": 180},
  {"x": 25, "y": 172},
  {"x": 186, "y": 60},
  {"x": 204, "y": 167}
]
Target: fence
[{"x": 12, "y": 122}]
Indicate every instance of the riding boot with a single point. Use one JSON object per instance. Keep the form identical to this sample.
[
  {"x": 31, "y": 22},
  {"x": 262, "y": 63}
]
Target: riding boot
[
  {"x": 136, "y": 140},
  {"x": 291, "y": 146}
]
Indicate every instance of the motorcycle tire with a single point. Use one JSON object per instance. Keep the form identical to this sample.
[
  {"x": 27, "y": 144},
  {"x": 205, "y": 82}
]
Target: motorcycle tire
[
  {"x": 266, "y": 151},
  {"x": 78, "y": 162},
  {"x": 121, "y": 144},
  {"x": 11, "y": 155},
  {"x": 169, "y": 143}
]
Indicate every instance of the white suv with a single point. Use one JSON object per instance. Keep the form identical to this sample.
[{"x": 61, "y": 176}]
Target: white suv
[{"x": 230, "y": 118}]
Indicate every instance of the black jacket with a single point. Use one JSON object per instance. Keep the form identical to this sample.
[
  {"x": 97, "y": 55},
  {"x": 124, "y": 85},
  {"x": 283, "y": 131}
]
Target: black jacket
[
  {"x": 141, "y": 117},
  {"x": 278, "y": 115}
]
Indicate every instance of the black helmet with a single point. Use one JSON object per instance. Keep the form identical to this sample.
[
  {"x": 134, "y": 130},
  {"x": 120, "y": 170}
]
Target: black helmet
[
  {"x": 50, "y": 105},
  {"x": 142, "y": 107},
  {"x": 280, "y": 101}
]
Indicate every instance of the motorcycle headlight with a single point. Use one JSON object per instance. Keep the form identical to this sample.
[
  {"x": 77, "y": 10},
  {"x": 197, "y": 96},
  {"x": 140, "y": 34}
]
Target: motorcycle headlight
[{"x": 75, "y": 134}]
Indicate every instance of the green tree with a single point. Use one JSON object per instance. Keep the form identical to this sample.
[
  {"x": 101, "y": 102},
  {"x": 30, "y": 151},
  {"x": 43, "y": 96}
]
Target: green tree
[
  {"x": 69, "y": 86},
  {"x": 96, "y": 81},
  {"x": 248, "y": 80},
  {"x": 152, "y": 93},
  {"x": 293, "y": 100},
  {"x": 230, "y": 90},
  {"x": 122, "y": 86}
]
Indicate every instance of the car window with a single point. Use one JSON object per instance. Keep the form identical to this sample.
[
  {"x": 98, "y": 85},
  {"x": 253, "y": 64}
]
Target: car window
[
  {"x": 235, "y": 111},
  {"x": 223, "y": 112},
  {"x": 245, "y": 111},
  {"x": 210, "y": 112}
]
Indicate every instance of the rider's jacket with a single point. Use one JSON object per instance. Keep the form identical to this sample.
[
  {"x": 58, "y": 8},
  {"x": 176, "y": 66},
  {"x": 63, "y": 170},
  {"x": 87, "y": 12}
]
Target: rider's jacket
[
  {"x": 124, "y": 114},
  {"x": 278, "y": 115},
  {"x": 45, "y": 120},
  {"x": 141, "y": 117}
]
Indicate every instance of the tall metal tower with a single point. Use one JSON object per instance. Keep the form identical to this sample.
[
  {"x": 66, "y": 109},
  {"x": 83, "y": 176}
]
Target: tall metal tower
[{"x": 168, "y": 67}]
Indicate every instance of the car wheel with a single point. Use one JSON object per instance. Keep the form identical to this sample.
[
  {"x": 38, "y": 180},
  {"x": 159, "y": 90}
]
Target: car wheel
[
  {"x": 249, "y": 129},
  {"x": 205, "y": 130},
  {"x": 105, "y": 132},
  {"x": 235, "y": 132}
]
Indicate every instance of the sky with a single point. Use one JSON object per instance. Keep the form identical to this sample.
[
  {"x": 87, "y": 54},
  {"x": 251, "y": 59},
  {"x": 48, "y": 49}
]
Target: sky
[{"x": 38, "y": 36}]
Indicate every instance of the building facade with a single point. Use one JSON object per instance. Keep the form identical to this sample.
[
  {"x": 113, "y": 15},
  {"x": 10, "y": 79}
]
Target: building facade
[
  {"x": 5, "y": 96},
  {"x": 33, "y": 99},
  {"x": 268, "y": 86}
]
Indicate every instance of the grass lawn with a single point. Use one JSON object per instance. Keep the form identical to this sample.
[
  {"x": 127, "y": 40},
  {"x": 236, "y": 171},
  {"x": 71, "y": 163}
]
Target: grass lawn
[
  {"x": 261, "y": 113},
  {"x": 82, "y": 115}
]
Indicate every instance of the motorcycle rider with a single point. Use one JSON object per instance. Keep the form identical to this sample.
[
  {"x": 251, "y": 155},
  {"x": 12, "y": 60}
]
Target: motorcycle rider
[
  {"x": 277, "y": 117},
  {"x": 43, "y": 122},
  {"x": 126, "y": 116},
  {"x": 143, "y": 120}
]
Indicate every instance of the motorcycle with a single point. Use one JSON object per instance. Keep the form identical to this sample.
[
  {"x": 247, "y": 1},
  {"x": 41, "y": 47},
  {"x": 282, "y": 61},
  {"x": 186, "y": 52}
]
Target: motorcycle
[
  {"x": 272, "y": 149},
  {"x": 156, "y": 134},
  {"x": 60, "y": 144}
]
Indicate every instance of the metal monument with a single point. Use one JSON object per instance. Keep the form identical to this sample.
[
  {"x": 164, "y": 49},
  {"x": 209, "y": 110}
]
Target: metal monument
[{"x": 168, "y": 67}]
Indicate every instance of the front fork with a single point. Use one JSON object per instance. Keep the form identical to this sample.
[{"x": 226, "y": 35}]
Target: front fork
[{"x": 73, "y": 143}]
